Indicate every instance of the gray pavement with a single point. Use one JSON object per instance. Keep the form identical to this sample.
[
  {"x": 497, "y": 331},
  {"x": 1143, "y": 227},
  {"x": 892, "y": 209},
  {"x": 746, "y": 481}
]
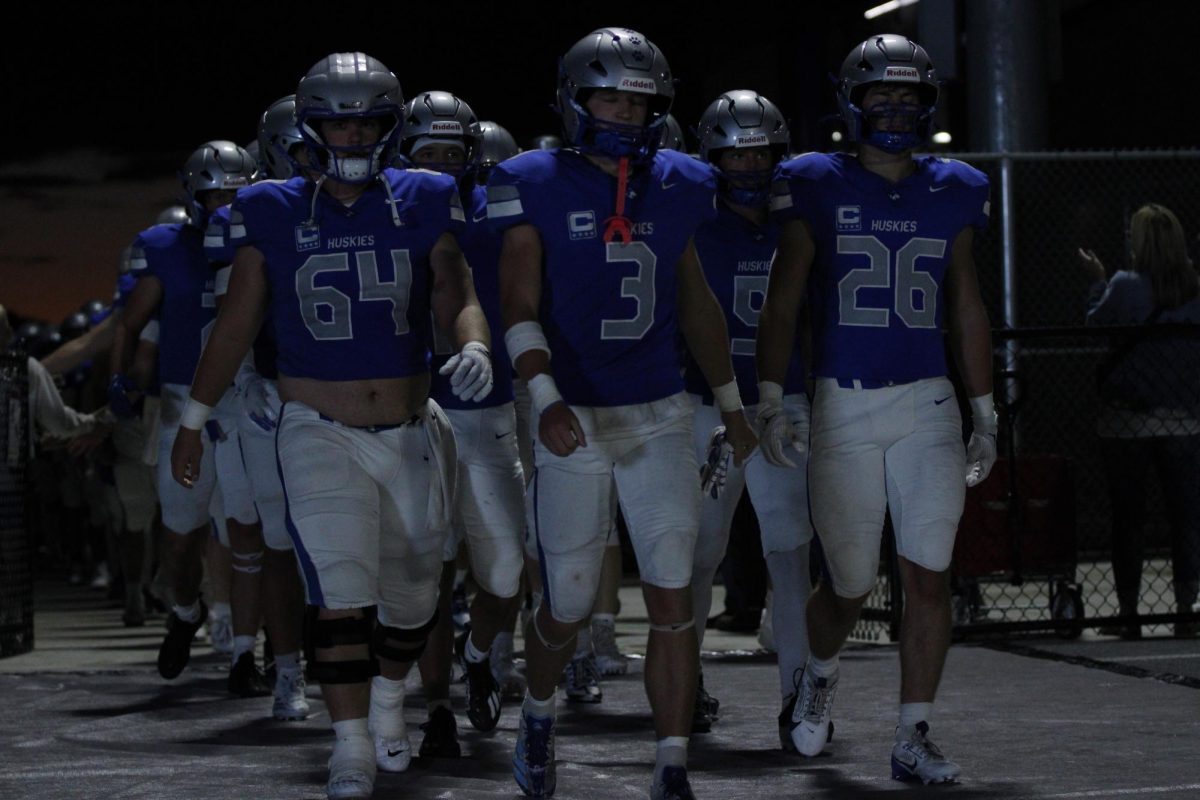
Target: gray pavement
[{"x": 86, "y": 716}]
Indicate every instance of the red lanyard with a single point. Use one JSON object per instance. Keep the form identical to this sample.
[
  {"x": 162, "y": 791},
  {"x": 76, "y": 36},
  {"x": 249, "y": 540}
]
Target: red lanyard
[{"x": 619, "y": 226}]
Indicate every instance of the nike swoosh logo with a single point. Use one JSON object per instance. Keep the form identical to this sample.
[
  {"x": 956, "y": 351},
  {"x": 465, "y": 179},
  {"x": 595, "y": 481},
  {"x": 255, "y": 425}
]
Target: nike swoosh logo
[
  {"x": 393, "y": 753},
  {"x": 944, "y": 399},
  {"x": 938, "y": 188},
  {"x": 502, "y": 435},
  {"x": 480, "y": 218},
  {"x": 666, "y": 185}
]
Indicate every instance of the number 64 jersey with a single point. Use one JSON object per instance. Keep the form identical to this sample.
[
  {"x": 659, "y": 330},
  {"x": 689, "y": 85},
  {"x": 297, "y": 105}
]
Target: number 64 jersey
[
  {"x": 882, "y": 251},
  {"x": 349, "y": 286},
  {"x": 608, "y": 308}
]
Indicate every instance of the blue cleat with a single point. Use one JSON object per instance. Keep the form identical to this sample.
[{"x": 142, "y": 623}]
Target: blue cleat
[{"x": 533, "y": 759}]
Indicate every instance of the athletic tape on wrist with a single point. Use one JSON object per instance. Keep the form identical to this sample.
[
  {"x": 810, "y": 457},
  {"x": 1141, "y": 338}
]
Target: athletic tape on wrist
[
  {"x": 770, "y": 392},
  {"x": 727, "y": 397},
  {"x": 194, "y": 415},
  {"x": 523, "y": 337},
  {"x": 543, "y": 392},
  {"x": 983, "y": 414}
]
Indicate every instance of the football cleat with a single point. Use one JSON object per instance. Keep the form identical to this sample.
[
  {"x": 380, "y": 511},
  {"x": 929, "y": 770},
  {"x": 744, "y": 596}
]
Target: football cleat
[
  {"x": 441, "y": 735},
  {"x": 176, "y": 648},
  {"x": 582, "y": 680},
  {"x": 810, "y": 719},
  {"x": 672, "y": 784},
  {"x": 246, "y": 679},
  {"x": 533, "y": 758},
  {"x": 290, "y": 700},
  {"x": 915, "y": 758},
  {"x": 393, "y": 755},
  {"x": 483, "y": 696},
  {"x": 609, "y": 659}
]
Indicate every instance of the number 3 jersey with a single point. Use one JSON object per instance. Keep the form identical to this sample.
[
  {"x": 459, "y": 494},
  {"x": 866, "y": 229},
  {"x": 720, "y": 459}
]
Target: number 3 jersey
[
  {"x": 876, "y": 289},
  {"x": 608, "y": 308},
  {"x": 349, "y": 286}
]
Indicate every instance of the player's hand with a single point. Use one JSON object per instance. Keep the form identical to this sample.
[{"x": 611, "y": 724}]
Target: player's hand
[
  {"x": 86, "y": 444},
  {"x": 560, "y": 431},
  {"x": 256, "y": 401},
  {"x": 1092, "y": 264},
  {"x": 740, "y": 435},
  {"x": 185, "y": 457},
  {"x": 470, "y": 372},
  {"x": 123, "y": 397},
  {"x": 715, "y": 469},
  {"x": 981, "y": 457},
  {"x": 777, "y": 431}
]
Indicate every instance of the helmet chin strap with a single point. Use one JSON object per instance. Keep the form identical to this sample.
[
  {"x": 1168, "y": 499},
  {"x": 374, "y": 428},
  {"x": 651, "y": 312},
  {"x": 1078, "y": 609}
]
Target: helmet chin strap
[{"x": 619, "y": 226}]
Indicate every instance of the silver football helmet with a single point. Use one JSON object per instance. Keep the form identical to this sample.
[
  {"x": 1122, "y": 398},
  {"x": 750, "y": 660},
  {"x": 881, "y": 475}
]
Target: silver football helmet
[
  {"x": 739, "y": 119},
  {"x": 496, "y": 145},
  {"x": 277, "y": 135},
  {"x": 345, "y": 85},
  {"x": 621, "y": 59},
  {"x": 888, "y": 58},
  {"x": 214, "y": 165},
  {"x": 433, "y": 116},
  {"x": 173, "y": 215},
  {"x": 672, "y": 135}
]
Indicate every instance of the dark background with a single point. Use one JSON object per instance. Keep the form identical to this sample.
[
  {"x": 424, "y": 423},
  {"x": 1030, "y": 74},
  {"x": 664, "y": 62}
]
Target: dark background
[
  {"x": 103, "y": 103},
  {"x": 161, "y": 78}
]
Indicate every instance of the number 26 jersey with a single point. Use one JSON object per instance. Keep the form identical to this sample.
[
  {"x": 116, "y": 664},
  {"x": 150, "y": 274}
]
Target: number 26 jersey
[{"x": 876, "y": 288}]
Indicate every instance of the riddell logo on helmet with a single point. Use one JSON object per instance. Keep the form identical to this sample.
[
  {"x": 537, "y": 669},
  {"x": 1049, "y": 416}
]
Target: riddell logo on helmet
[
  {"x": 753, "y": 140},
  {"x": 902, "y": 74},
  {"x": 446, "y": 127},
  {"x": 644, "y": 85}
]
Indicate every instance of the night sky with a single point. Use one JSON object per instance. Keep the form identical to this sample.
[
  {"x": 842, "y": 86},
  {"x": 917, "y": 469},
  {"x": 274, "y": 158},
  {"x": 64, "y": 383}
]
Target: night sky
[{"x": 120, "y": 93}]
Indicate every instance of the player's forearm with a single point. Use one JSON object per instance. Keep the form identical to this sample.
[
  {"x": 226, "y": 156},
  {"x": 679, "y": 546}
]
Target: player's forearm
[
  {"x": 96, "y": 341},
  {"x": 776, "y": 337},
  {"x": 971, "y": 344},
  {"x": 231, "y": 339},
  {"x": 707, "y": 338}
]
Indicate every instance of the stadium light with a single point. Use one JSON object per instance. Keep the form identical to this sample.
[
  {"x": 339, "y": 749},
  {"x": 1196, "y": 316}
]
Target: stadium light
[
  {"x": 942, "y": 137},
  {"x": 886, "y": 8}
]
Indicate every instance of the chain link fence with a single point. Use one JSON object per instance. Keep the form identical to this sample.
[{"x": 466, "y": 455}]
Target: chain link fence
[
  {"x": 1093, "y": 483},
  {"x": 16, "y": 547}
]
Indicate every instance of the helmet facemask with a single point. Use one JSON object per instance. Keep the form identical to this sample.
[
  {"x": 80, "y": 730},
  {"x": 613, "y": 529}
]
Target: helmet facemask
[{"x": 355, "y": 163}]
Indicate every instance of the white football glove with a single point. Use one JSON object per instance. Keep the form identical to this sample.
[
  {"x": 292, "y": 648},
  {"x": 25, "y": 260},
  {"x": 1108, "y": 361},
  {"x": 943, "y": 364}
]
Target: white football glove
[
  {"x": 470, "y": 372},
  {"x": 715, "y": 469},
  {"x": 981, "y": 457},
  {"x": 776, "y": 430},
  {"x": 256, "y": 401},
  {"x": 981, "y": 449}
]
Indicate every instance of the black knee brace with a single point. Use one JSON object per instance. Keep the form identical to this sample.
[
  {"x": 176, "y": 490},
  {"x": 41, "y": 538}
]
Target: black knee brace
[
  {"x": 402, "y": 644},
  {"x": 326, "y": 633}
]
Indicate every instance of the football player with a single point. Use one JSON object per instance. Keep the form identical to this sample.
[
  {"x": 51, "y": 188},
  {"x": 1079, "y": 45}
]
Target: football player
[
  {"x": 744, "y": 136},
  {"x": 598, "y": 276},
  {"x": 442, "y": 133},
  {"x": 352, "y": 264},
  {"x": 175, "y": 281},
  {"x": 882, "y": 242}
]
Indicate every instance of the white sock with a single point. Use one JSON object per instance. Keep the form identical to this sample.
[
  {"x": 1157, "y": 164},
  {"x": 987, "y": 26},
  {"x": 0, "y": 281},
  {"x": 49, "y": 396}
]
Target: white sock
[
  {"x": 243, "y": 644},
  {"x": 671, "y": 752},
  {"x": 353, "y": 748},
  {"x": 546, "y": 709},
  {"x": 912, "y": 713},
  {"x": 604, "y": 619},
  {"x": 189, "y": 614},
  {"x": 221, "y": 610},
  {"x": 287, "y": 662},
  {"x": 387, "y": 708},
  {"x": 822, "y": 667},
  {"x": 473, "y": 654}
]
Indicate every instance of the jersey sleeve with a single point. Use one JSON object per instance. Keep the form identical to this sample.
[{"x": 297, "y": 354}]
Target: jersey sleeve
[
  {"x": 248, "y": 220},
  {"x": 978, "y": 192},
  {"x": 505, "y": 201},
  {"x": 792, "y": 192},
  {"x": 217, "y": 248}
]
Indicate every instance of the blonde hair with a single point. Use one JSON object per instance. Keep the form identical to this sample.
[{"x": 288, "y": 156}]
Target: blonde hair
[{"x": 1159, "y": 250}]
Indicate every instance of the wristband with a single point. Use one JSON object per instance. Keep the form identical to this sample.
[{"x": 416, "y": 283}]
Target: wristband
[
  {"x": 727, "y": 397},
  {"x": 194, "y": 415},
  {"x": 983, "y": 414},
  {"x": 543, "y": 392},
  {"x": 476, "y": 345},
  {"x": 770, "y": 392},
  {"x": 523, "y": 337}
]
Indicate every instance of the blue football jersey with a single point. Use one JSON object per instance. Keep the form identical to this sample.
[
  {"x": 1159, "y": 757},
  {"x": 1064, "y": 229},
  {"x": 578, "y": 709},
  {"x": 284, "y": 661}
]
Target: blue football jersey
[
  {"x": 174, "y": 254},
  {"x": 481, "y": 246},
  {"x": 736, "y": 255},
  {"x": 123, "y": 289},
  {"x": 608, "y": 309},
  {"x": 220, "y": 252},
  {"x": 882, "y": 252},
  {"x": 349, "y": 286}
]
